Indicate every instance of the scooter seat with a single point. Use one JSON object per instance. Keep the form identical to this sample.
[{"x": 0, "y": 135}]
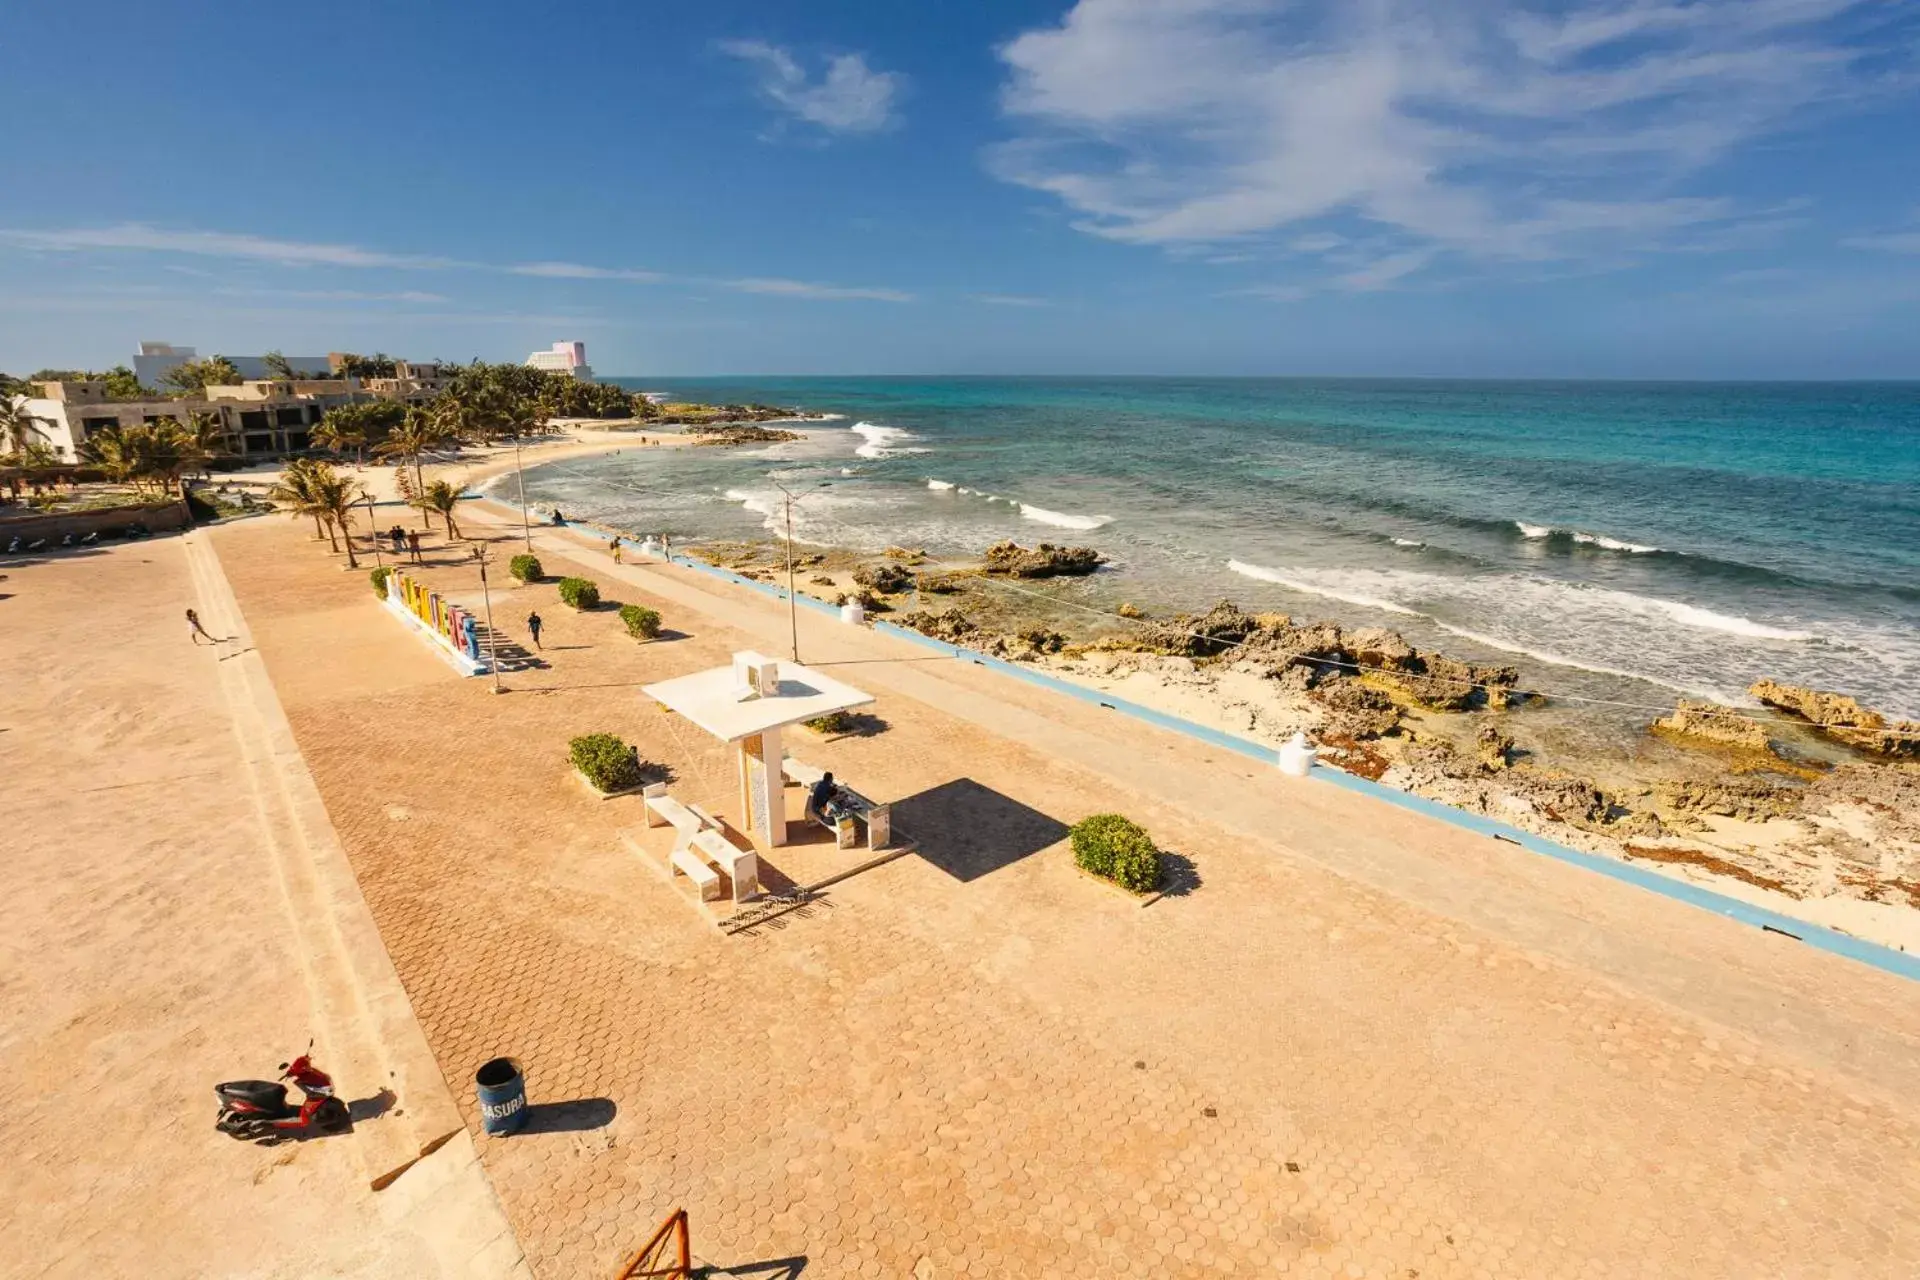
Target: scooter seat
[{"x": 259, "y": 1095}]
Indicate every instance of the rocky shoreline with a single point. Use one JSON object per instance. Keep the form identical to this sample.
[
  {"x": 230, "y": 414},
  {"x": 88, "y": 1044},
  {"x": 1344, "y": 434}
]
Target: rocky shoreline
[{"x": 1811, "y": 807}]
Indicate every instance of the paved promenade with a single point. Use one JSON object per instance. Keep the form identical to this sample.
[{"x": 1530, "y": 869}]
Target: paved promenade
[
  {"x": 173, "y": 920},
  {"x": 1358, "y": 1043}
]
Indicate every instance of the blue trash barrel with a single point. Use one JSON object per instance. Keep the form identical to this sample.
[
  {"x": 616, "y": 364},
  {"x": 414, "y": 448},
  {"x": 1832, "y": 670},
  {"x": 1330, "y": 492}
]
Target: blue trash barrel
[{"x": 503, "y": 1096}]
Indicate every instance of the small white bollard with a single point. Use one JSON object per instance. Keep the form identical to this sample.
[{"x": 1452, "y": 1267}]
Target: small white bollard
[
  {"x": 853, "y": 613},
  {"x": 1297, "y": 756}
]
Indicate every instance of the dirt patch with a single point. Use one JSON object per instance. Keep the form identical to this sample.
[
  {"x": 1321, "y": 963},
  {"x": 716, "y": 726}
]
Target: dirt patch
[{"x": 1709, "y": 862}]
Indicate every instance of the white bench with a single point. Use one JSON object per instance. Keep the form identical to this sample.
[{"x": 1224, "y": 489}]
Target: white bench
[
  {"x": 691, "y": 865},
  {"x": 701, "y": 850},
  {"x": 804, "y": 774}
]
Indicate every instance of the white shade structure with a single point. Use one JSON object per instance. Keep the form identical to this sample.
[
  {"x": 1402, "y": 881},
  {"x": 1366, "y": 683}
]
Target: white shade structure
[{"x": 748, "y": 704}]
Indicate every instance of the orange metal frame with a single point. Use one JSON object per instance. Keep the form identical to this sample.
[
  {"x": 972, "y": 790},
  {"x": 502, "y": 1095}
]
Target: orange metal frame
[{"x": 649, "y": 1263}]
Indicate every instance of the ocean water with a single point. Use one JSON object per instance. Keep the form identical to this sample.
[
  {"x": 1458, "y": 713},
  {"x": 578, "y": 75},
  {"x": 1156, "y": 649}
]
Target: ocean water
[{"x": 1618, "y": 542}]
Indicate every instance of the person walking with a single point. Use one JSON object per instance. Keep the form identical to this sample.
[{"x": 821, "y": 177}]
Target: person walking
[
  {"x": 413, "y": 544},
  {"x": 666, "y": 548},
  {"x": 398, "y": 537},
  {"x": 195, "y": 630},
  {"x": 533, "y": 626},
  {"x": 615, "y": 548}
]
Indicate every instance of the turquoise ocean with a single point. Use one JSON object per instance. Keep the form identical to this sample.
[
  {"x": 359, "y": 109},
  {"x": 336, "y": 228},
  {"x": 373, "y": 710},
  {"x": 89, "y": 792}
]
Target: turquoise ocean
[{"x": 1616, "y": 541}]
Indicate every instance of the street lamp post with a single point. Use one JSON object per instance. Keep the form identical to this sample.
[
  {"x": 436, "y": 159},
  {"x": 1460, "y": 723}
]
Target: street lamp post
[
  {"x": 793, "y": 605},
  {"x": 493, "y": 653},
  {"x": 526, "y": 530},
  {"x": 374, "y": 533}
]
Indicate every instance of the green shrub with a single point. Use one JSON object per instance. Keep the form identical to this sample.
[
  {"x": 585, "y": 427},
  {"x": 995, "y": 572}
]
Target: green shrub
[
  {"x": 609, "y": 763},
  {"x": 526, "y": 568},
  {"x": 379, "y": 579},
  {"x": 642, "y": 623},
  {"x": 1117, "y": 849},
  {"x": 581, "y": 593},
  {"x": 832, "y": 722}
]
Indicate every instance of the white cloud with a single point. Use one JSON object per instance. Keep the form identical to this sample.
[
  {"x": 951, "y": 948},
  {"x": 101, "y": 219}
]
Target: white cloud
[
  {"x": 1497, "y": 132},
  {"x": 335, "y": 295},
  {"x": 1009, "y": 300},
  {"x": 250, "y": 248},
  {"x": 1892, "y": 242},
  {"x": 850, "y": 98},
  {"x": 808, "y": 289},
  {"x": 215, "y": 244},
  {"x": 578, "y": 271}
]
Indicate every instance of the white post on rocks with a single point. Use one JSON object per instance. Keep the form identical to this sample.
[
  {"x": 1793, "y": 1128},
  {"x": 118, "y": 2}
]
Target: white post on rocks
[
  {"x": 1297, "y": 756},
  {"x": 853, "y": 613}
]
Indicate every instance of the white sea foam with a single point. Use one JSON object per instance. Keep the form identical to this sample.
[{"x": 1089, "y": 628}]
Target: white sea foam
[
  {"x": 1301, "y": 583},
  {"x": 1408, "y": 542},
  {"x": 1708, "y": 620},
  {"x": 758, "y": 503},
  {"x": 1533, "y": 530},
  {"x": 1613, "y": 544},
  {"x": 941, "y": 486},
  {"x": 1061, "y": 519},
  {"x": 882, "y": 441}
]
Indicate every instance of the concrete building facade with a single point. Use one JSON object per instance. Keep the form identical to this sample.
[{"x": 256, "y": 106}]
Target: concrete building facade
[
  {"x": 155, "y": 360},
  {"x": 260, "y": 418},
  {"x": 564, "y": 357}
]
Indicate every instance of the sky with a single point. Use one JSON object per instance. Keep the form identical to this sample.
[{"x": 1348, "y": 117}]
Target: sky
[{"x": 1438, "y": 188}]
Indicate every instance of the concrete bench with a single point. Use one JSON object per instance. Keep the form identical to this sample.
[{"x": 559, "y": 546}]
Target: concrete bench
[
  {"x": 804, "y": 774},
  {"x": 860, "y": 812},
  {"x": 741, "y": 866},
  {"x": 664, "y": 811},
  {"x": 691, "y": 865}
]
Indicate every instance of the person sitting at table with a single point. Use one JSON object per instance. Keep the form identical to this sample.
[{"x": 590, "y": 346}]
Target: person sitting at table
[{"x": 823, "y": 802}]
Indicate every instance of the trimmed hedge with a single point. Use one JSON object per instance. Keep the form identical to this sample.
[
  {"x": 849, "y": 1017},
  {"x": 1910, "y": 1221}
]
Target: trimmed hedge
[
  {"x": 526, "y": 568},
  {"x": 379, "y": 579},
  {"x": 642, "y": 623},
  {"x": 1117, "y": 849},
  {"x": 609, "y": 763},
  {"x": 581, "y": 593},
  {"x": 832, "y": 722}
]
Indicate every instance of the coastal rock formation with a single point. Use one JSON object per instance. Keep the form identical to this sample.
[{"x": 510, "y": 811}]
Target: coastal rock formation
[
  {"x": 1326, "y": 650},
  {"x": 1709, "y": 722},
  {"x": 731, "y": 433},
  {"x": 888, "y": 579},
  {"x": 906, "y": 555},
  {"x": 1012, "y": 560},
  {"x": 1843, "y": 719},
  {"x": 938, "y": 584},
  {"x": 1494, "y": 748},
  {"x": 952, "y": 626},
  {"x": 1027, "y": 645},
  {"x": 1355, "y": 710},
  {"x": 1129, "y": 610},
  {"x": 1746, "y": 799}
]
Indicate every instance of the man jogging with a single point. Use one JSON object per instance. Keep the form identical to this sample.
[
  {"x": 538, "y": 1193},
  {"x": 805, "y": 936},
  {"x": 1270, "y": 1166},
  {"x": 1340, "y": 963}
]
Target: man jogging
[{"x": 533, "y": 625}]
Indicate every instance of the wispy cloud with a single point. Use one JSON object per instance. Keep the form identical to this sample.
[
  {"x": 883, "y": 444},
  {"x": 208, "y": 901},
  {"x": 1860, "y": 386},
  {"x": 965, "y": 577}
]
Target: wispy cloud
[
  {"x": 138, "y": 237},
  {"x": 850, "y": 97},
  {"x": 579, "y": 271},
  {"x": 334, "y": 295},
  {"x": 1010, "y": 300},
  {"x": 1888, "y": 242},
  {"x": 217, "y": 244},
  {"x": 808, "y": 289},
  {"x": 1454, "y": 126}
]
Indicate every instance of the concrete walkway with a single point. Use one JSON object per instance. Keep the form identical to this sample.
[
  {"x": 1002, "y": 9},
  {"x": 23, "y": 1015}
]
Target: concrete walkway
[
  {"x": 180, "y": 913},
  {"x": 1358, "y": 1041}
]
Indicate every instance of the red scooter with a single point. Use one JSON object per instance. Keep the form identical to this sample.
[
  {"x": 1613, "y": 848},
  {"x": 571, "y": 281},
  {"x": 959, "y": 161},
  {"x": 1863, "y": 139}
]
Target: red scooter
[{"x": 257, "y": 1110}]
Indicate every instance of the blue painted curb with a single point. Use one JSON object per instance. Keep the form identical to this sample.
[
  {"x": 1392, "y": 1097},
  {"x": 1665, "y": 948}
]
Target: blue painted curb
[{"x": 1899, "y": 963}]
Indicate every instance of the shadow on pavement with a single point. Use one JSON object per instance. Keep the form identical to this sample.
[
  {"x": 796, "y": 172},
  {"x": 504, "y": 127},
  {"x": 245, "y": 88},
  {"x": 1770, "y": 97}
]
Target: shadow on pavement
[
  {"x": 968, "y": 830},
  {"x": 570, "y": 1117}
]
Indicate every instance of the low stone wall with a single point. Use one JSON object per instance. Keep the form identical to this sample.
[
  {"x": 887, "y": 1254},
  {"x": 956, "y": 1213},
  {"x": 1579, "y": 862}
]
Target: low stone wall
[{"x": 160, "y": 517}]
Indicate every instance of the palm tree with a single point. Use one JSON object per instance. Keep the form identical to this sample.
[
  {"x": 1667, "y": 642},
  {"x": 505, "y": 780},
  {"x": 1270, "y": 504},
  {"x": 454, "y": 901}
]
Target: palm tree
[
  {"x": 171, "y": 450},
  {"x": 340, "y": 431},
  {"x": 117, "y": 452},
  {"x": 299, "y": 488},
  {"x": 418, "y": 432},
  {"x": 334, "y": 497},
  {"x": 443, "y": 498},
  {"x": 18, "y": 428}
]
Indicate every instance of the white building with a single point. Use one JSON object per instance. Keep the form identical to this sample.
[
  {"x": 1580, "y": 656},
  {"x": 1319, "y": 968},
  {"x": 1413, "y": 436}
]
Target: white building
[
  {"x": 565, "y": 357},
  {"x": 157, "y": 359}
]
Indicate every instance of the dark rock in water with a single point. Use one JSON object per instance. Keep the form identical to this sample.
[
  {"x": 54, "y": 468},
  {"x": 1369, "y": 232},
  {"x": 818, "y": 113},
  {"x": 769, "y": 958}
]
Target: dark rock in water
[
  {"x": 1010, "y": 559},
  {"x": 1709, "y": 722},
  {"x": 1494, "y": 748},
  {"x": 1355, "y": 710},
  {"x": 733, "y": 433},
  {"x": 1448, "y": 684},
  {"x": 1843, "y": 719},
  {"x": 952, "y": 626},
  {"x": 888, "y": 579},
  {"x": 1128, "y": 609}
]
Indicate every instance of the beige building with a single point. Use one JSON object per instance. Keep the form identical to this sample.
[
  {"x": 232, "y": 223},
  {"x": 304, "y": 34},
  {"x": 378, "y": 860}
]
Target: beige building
[{"x": 260, "y": 418}]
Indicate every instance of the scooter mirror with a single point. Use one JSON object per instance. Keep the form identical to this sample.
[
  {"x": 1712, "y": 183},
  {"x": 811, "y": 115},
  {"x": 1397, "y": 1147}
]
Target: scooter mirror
[{"x": 283, "y": 1066}]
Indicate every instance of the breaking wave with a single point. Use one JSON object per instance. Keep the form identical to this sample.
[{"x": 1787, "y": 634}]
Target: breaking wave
[{"x": 1061, "y": 519}]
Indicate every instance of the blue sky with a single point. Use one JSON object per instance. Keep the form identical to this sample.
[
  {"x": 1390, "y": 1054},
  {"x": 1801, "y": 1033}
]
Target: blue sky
[{"x": 1600, "y": 188}]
